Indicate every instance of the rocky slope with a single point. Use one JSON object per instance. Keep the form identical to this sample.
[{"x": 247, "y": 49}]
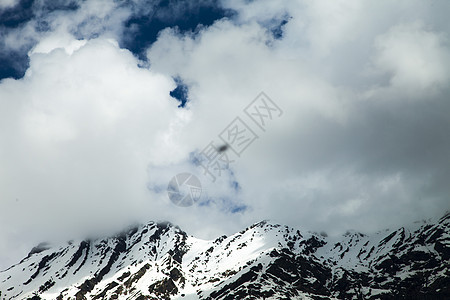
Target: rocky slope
[{"x": 264, "y": 261}]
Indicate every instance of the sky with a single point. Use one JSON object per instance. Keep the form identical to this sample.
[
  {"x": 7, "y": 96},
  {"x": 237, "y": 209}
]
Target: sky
[{"x": 103, "y": 102}]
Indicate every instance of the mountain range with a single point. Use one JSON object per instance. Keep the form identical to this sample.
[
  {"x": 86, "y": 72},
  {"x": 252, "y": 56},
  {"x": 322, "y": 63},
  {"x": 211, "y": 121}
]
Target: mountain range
[{"x": 158, "y": 260}]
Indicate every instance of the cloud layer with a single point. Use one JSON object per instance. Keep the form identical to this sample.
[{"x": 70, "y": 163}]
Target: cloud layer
[{"x": 90, "y": 136}]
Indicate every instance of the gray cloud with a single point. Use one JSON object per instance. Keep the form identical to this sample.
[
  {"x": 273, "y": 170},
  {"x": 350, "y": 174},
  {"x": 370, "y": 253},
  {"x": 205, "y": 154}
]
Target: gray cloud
[{"x": 363, "y": 142}]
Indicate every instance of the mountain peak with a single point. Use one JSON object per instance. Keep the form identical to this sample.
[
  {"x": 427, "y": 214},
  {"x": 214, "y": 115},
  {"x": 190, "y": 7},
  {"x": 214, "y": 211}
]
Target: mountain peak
[{"x": 265, "y": 260}]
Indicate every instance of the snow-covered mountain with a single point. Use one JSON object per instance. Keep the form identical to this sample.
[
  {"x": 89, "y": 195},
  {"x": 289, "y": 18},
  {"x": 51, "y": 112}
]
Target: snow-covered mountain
[{"x": 263, "y": 261}]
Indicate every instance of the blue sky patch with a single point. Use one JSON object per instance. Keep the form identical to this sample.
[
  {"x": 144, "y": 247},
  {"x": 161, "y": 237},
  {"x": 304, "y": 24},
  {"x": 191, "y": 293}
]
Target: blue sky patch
[
  {"x": 180, "y": 92},
  {"x": 278, "y": 30},
  {"x": 15, "y": 16},
  {"x": 140, "y": 31}
]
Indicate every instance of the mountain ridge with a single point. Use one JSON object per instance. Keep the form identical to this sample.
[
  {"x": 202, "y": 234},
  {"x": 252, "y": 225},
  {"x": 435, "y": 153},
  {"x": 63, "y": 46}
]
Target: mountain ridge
[{"x": 158, "y": 260}]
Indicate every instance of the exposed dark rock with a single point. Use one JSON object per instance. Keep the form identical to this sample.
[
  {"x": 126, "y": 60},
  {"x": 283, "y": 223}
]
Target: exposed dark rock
[{"x": 163, "y": 289}]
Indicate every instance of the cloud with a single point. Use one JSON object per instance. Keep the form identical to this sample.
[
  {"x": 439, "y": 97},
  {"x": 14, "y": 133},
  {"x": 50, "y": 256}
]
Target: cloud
[
  {"x": 78, "y": 132},
  {"x": 93, "y": 137},
  {"x": 352, "y": 150},
  {"x": 134, "y": 24},
  {"x": 8, "y": 3},
  {"x": 414, "y": 57}
]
